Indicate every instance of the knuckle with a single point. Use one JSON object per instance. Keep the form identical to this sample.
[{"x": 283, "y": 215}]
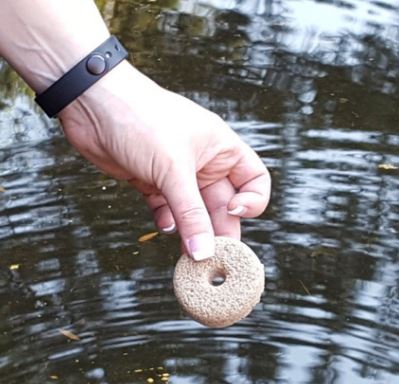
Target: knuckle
[{"x": 190, "y": 214}]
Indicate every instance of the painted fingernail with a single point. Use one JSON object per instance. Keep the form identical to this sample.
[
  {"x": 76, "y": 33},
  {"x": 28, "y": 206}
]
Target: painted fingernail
[
  {"x": 170, "y": 229},
  {"x": 201, "y": 246},
  {"x": 238, "y": 211}
]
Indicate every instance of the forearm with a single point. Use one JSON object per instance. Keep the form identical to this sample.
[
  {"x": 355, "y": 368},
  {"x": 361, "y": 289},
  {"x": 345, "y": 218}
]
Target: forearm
[{"x": 43, "y": 39}]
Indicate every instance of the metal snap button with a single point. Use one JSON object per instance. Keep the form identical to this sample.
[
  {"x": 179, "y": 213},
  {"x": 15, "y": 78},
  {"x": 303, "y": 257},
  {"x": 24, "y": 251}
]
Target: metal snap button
[{"x": 96, "y": 64}]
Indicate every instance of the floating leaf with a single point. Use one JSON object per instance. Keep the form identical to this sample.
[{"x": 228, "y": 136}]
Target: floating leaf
[
  {"x": 54, "y": 377},
  {"x": 387, "y": 167},
  {"x": 2, "y": 189},
  {"x": 14, "y": 267},
  {"x": 70, "y": 335},
  {"x": 148, "y": 236}
]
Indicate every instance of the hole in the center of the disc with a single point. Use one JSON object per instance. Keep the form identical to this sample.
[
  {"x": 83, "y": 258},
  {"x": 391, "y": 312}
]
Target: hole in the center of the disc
[{"x": 218, "y": 278}]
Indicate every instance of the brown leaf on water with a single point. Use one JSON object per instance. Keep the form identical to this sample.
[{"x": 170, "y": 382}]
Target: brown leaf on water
[
  {"x": 70, "y": 335},
  {"x": 2, "y": 189},
  {"x": 147, "y": 236},
  {"x": 387, "y": 167}
]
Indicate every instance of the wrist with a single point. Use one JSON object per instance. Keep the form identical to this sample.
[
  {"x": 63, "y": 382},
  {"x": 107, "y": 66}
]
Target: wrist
[
  {"x": 52, "y": 63},
  {"x": 124, "y": 87},
  {"x": 82, "y": 76}
]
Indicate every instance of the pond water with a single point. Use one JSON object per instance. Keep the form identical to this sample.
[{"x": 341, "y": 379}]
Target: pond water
[{"x": 313, "y": 87}]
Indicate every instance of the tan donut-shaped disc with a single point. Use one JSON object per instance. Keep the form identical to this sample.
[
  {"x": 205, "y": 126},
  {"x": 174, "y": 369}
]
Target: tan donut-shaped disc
[{"x": 220, "y": 305}]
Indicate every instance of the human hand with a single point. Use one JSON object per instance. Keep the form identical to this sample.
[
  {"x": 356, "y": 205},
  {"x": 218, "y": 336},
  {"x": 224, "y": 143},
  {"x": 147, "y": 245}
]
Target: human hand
[{"x": 195, "y": 173}]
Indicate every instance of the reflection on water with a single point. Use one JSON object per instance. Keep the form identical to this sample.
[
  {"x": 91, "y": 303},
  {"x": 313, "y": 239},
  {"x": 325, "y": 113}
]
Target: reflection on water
[{"x": 313, "y": 87}]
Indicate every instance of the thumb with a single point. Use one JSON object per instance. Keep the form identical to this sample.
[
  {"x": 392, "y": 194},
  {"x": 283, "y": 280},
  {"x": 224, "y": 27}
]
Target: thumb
[{"x": 191, "y": 216}]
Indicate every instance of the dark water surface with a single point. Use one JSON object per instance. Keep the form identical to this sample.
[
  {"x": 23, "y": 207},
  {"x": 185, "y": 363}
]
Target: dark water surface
[{"x": 313, "y": 86}]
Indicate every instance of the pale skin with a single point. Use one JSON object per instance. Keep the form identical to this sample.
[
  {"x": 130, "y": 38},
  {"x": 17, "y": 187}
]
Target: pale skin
[{"x": 196, "y": 175}]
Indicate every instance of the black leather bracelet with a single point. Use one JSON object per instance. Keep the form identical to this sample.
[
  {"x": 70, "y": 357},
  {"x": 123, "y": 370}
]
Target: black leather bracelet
[{"x": 82, "y": 76}]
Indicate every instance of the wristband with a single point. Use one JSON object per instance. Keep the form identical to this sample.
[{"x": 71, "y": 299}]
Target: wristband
[{"x": 82, "y": 76}]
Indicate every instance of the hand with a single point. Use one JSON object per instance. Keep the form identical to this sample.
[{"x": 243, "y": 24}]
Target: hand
[{"x": 195, "y": 173}]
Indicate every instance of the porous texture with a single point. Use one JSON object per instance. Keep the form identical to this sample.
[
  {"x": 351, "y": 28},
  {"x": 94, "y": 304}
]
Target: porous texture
[{"x": 225, "y": 304}]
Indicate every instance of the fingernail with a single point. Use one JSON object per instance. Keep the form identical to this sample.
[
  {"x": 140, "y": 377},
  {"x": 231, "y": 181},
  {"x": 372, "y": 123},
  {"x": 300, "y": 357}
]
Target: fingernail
[
  {"x": 170, "y": 229},
  {"x": 201, "y": 246},
  {"x": 238, "y": 211}
]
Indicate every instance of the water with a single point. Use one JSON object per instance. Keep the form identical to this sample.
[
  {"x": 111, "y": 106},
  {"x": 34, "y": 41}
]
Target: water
[{"x": 313, "y": 87}]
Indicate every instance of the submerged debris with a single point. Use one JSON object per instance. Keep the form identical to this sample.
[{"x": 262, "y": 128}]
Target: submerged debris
[
  {"x": 153, "y": 374},
  {"x": 304, "y": 287}
]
